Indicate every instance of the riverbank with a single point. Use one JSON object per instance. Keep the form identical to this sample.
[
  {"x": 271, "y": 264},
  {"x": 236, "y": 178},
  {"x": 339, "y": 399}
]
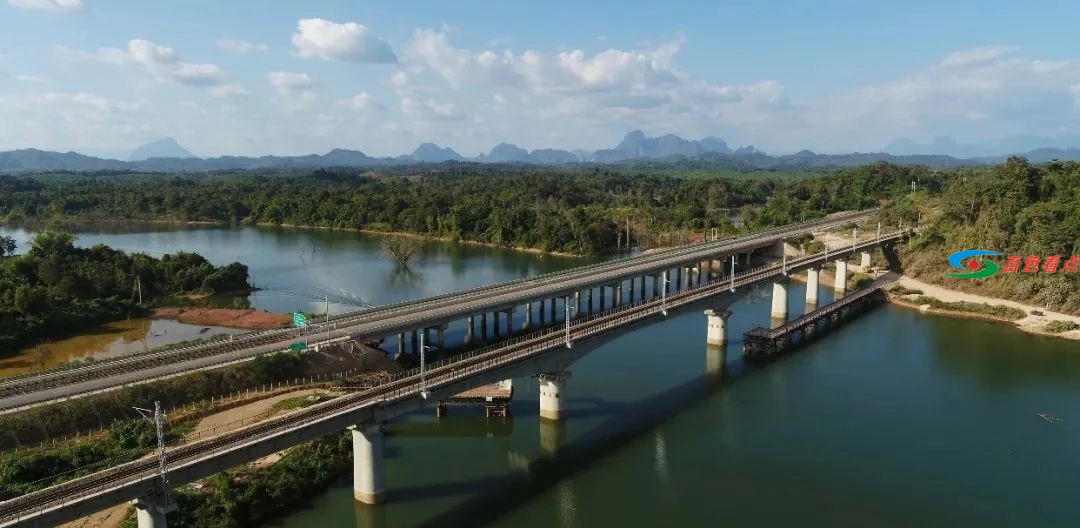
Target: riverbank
[
  {"x": 247, "y": 319},
  {"x": 1031, "y": 322},
  {"x": 172, "y": 221}
]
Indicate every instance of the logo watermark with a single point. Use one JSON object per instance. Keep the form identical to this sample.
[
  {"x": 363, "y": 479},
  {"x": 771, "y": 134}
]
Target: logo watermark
[{"x": 982, "y": 268}]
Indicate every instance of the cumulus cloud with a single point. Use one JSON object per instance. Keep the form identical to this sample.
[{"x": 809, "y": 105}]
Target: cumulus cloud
[
  {"x": 240, "y": 46},
  {"x": 430, "y": 110},
  {"x": 316, "y": 38},
  {"x": 31, "y": 78},
  {"x": 63, "y": 120},
  {"x": 361, "y": 102},
  {"x": 163, "y": 64},
  {"x": 227, "y": 90},
  {"x": 296, "y": 90},
  {"x": 54, "y": 6},
  {"x": 564, "y": 72}
]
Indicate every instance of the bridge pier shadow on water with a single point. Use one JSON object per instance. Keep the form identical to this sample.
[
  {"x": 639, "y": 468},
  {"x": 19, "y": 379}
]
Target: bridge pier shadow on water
[{"x": 492, "y": 497}]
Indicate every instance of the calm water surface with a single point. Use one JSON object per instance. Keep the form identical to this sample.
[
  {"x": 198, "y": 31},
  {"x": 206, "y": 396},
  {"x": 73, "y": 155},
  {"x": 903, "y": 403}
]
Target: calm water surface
[{"x": 897, "y": 419}]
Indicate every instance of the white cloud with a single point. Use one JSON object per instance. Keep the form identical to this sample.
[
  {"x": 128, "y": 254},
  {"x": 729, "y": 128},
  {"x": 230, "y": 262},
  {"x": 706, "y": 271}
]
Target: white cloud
[
  {"x": 31, "y": 78},
  {"x": 565, "y": 72},
  {"x": 430, "y": 110},
  {"x": 227, "y": 90},
  {"x": 351, "y": 42},
  {"x": 361, "y": 102},
  {"x": 240, "y": 46},
  {"x": 296, "y": 90},
  {"x": 163, "y": 64},
  {"x": 63, "y": 121},
  {"x": 975, "y": 56},
  {"x": 399, "y": 79},
  {"x": 55, "y": 6}
]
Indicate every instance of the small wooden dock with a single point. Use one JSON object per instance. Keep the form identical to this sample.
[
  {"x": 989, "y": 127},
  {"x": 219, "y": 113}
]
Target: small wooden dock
[
  {"x": 494, "y": 398},
  {"x": 762, "y": 344}
]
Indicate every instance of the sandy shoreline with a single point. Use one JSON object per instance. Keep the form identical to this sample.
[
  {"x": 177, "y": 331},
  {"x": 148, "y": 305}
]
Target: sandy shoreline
[
  {"x": 1034, "y": 324},
  {"x": 247, "y": 319}
]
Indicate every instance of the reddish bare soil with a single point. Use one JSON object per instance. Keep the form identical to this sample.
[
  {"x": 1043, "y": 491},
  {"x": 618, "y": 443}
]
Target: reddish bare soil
[{"x": 228, "y": 317}]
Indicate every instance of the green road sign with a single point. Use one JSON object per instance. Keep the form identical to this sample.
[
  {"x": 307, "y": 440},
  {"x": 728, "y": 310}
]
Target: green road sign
[
  {"x": 299, "y": 320},
  {"x": 298, "y": 346}
]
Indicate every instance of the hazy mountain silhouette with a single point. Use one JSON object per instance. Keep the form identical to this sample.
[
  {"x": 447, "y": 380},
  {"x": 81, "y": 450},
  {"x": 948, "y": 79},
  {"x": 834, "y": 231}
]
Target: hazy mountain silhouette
[{"x": 162, "y": 148}]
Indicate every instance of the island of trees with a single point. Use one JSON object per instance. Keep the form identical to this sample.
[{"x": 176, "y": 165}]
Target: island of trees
[{"x": 56, "y": 287}]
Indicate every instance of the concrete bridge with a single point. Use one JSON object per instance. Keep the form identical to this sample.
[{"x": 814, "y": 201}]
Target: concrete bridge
[
  {"x": 526, "y": 302},
  {"x": 546, "y": 354}
]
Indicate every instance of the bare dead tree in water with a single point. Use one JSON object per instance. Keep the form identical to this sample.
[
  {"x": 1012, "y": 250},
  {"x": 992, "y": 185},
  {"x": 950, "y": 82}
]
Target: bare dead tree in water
[
  {"x": 42, "y": 354},
  {"x": 401, "y": 249}
]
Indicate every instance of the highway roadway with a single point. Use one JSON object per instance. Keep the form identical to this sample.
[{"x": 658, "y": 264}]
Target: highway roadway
[
  {"x": 29, "y": 390},
  {"x": 196, "y": 460}
]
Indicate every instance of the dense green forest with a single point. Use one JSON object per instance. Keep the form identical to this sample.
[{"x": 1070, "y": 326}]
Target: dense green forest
[
  {"x": 1017, "y": 209},
  {"x": 582, "y": 212},
  {"x": 56, "y": 285}
]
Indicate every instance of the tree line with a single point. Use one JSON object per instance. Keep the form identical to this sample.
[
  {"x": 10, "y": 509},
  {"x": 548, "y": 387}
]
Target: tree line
[
  {"x": 584, "y": 211},
  {"x": 57, "y": 286}
]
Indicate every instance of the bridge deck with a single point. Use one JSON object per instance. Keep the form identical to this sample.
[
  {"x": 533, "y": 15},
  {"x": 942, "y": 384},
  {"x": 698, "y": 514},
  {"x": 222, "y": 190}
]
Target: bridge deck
[
  {"x": 402, "y": 392},
  {"x": 824, "y": 311}
]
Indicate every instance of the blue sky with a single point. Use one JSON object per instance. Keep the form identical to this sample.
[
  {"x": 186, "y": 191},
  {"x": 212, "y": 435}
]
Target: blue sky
[{"x": 260, "y": 77}]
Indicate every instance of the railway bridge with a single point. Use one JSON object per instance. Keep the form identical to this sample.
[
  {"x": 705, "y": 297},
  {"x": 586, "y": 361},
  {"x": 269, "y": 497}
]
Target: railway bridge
[
  {"x": 546, "y": 354},
  {"x": 488, "y": 313}
]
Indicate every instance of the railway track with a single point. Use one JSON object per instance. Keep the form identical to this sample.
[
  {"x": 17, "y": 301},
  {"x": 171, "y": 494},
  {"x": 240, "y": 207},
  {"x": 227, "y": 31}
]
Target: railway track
[
  {"x": 402, "y": 386},
  {"x": 270, "y": 340}
]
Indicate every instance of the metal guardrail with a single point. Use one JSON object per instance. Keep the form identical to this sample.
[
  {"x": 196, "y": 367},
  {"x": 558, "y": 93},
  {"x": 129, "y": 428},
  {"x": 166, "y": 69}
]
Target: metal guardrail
[{"x": 406, "y": 385}]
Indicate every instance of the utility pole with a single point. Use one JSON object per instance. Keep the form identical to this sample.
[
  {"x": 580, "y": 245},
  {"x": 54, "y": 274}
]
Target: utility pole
[
  {"x": 567, "y": 309},
  {"x": 663, "y": 294},
  {"x": 159, "y": 422},
  {"x": 423, "y": 383},
  {"x": 733, "y": 274}
]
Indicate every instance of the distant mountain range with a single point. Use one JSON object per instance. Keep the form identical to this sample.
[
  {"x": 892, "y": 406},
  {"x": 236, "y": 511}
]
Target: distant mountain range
[{"x": 635, "y": 149}]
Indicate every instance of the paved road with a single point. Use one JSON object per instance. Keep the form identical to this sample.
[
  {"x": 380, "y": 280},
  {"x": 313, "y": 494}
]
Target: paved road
[{"x": 27, "y": 391}]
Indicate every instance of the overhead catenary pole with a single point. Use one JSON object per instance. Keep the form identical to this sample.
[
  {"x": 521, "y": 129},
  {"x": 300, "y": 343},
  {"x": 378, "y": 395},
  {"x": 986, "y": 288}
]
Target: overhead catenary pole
[
  {"x": 733, "y": 274},
  {"x": 567, "y": 309},
  {"x": 423, "y": 383},
  {"x": 663, "y": 294}
]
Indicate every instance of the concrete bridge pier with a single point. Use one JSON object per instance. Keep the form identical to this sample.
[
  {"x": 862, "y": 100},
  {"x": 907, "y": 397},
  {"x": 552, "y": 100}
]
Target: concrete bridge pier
[
  {"x": 655, "y": 286},
  {"x": 703, "y": 277},
  {"x": 551, "y": 397},
  {"x": 630, "y": 291},
  {"x": 552, "y": 433},
  {"x": 812, "y": 286},
  {"x": 715, "y": 358},
  {"x": 717, "y": 327},
  {"x": 779, "y": 300},
  {"x": 510, "y": 321},
  {"x": 528, "y": 316},
  {"x": 617, "y": 293},
  {"x": 589, "y": 295},
  {"x": 865, "y": 259},
  {"x": 483, "y": 326},
  {"x": 541, "y": 313},
  {"x": 577, "y": 304},
  {"x": 840, "y": 284},
  {"x": 643, "y": 293},
  {"x": 401, "y": 343},
  {"x": 440, "y": 336},
  {"x": 495, "y": 323},
  {"x": 150, "y": 511},
  {"x": 468, "y": 329},
  {"x": 369, "y": 483}
]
